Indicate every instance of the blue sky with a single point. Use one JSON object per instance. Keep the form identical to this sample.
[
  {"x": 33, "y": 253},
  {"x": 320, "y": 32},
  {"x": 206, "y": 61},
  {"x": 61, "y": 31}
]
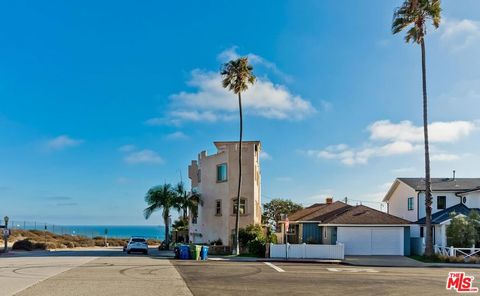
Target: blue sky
[{"x": 100, "y": 101}]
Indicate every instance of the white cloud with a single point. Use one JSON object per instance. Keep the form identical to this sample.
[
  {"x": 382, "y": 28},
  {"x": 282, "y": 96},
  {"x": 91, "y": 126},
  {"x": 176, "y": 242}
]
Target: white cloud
[
  {"x": 350, "y": 156},
  {"x": 145, "y": 156},
  {"x": 207, "y": 101},
  {"x": 405, "y": 131},
  {"x": 444, "y": 157},
  {"x": 459, "y": 34},
  {"x": 401, "y": 138},
  {"x": 265, "y": 156},
  {"x": 212, "y": 102},
  {"x": 62, "y": 142},
  {"x": 176, "y": 136}
]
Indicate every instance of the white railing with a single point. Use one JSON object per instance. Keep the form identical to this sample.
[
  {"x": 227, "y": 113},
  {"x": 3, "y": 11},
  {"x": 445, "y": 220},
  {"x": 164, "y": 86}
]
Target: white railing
[
  {"x": 307, "y": 251},
  {"x": 451, "y": 251}
]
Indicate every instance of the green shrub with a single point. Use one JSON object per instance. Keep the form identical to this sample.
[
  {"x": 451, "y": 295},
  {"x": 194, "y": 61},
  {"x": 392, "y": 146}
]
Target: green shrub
[
  {"x": 250, "y": 233},
  {"x": 25, "y": 245},
  {"x": 253, "y": 238},
  {"x": 272, "y": 238},
  {"x": 257, "y": 247},
  {"x": 40, "y": 246}
]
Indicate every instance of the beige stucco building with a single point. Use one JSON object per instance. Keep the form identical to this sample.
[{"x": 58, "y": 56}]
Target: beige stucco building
[{"x": 215, "y": 177}]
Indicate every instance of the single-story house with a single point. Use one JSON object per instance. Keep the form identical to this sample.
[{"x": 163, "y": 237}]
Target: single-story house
[{"x": 363, "y": 230}]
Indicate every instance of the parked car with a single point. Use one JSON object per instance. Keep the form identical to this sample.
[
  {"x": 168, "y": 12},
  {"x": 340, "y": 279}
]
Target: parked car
[{"x": 137, "y": 244}]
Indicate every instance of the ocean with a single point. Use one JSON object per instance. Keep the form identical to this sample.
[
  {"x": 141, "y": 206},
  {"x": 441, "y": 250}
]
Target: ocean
[{"x": 114, "y": 231}]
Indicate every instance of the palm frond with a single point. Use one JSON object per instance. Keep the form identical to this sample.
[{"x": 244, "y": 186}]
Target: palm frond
[
  {"x": 414, "y": 13},
  {"x": 237, "y": 75},
  {"x": 159, "y": 197}
]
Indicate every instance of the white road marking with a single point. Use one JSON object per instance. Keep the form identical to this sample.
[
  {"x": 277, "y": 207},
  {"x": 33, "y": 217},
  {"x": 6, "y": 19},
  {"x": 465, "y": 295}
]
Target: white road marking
[
  {"x": 352, "y": 269},
  {"x": 274, "y": 267}
]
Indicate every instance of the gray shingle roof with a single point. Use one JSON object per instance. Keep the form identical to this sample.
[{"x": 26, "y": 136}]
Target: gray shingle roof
[{"x": 444, "y": 184}]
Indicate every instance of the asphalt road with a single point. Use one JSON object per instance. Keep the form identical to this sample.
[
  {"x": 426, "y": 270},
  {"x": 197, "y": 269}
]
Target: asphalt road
[
  {"x": 255, "y": 278},
  {"x": 113, "y": 272}
]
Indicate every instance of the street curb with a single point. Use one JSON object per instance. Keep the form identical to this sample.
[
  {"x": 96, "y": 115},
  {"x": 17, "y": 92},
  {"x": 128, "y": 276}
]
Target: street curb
[{"x": 413, "y": 266}]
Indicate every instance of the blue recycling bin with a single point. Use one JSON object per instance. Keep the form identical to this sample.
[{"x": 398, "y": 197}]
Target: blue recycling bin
[
  {"x": 204, "y": 253},
  {"x": 184, "y": 252}
]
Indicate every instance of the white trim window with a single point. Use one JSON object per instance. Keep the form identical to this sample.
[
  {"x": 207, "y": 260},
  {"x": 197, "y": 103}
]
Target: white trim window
[
  {"x": 243, "y": 206},
  {"x": 410, "y": 204}
]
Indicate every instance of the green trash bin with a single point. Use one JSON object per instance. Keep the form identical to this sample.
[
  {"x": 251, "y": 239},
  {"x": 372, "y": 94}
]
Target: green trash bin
[
  {"x": 195, "y": 251},
  {"x": 198, "y": 251}
]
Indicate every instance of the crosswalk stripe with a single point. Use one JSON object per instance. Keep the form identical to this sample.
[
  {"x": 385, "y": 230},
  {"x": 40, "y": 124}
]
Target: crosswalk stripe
[{"x": 274, "y": 267}]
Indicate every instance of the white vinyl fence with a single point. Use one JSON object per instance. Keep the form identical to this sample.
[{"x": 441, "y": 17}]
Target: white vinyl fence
[
  {"x": 451, "y": 251},
  {"x": 304, "y": 251}
]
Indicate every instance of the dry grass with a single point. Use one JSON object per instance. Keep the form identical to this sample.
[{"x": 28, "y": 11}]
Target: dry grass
[{"x": 48, "y": 240}]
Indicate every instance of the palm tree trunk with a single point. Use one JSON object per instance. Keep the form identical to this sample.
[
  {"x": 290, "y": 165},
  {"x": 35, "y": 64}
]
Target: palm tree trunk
[
  {"x": 237, "y": 217},
  {"x": 167, "y": 227},
  {"x": 428, "y": 191}
]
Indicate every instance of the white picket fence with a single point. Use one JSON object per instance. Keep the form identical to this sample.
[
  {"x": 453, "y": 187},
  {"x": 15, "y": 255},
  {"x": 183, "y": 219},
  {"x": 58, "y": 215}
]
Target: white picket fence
[
  {"x": 451, "y": 251},
  {"x": 307, "y": 251}
]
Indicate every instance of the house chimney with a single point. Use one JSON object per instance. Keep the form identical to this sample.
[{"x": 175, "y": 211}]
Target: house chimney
[
  {"x": 328, "y": 200},
  {"x": 454, "y": 175}
]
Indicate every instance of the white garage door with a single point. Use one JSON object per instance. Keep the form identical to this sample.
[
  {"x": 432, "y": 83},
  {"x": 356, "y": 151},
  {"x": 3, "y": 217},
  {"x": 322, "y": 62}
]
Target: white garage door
[{"x": 371, "y": 240}]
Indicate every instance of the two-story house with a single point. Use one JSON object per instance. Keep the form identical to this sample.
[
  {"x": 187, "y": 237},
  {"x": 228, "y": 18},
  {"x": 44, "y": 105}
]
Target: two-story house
[
  {"x": 406, "y": 199},
  {"x": 215, "y": 177}
]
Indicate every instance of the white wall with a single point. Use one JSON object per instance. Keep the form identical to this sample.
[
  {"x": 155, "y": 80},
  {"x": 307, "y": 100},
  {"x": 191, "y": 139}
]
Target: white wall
[
  {"x": 398, "y": 203},
  {"x": 452, "y": 200},
  {"x": 473, "y": 200}
]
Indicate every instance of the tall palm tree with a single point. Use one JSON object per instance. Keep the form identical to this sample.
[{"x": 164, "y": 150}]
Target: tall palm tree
[
  {"x": 414, "y": 14},
  {"x": 163, "y": 198},
  {"x": 236, "y": 76},
  {"x": 187, "y": 201}
]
